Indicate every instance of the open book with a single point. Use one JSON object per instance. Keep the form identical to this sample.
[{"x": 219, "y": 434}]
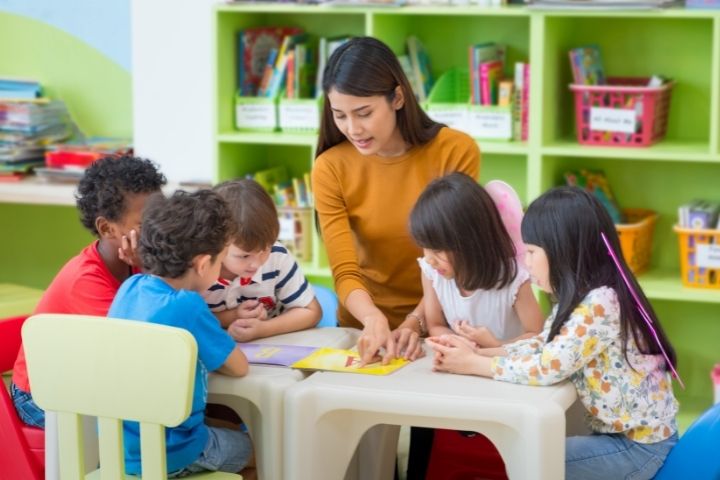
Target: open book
[
  {"x": 338, "y": 360},
  {"x": 281, "y": 355}
]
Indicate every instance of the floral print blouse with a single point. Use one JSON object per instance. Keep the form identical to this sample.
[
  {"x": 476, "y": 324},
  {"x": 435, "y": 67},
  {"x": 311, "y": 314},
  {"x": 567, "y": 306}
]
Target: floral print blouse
[{"x": 638, "y": 402}]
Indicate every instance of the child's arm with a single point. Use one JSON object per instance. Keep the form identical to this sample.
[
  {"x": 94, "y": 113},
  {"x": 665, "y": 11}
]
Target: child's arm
[
  {"x": 529, "y": 313},
  {"x": 226, "y": 317},
  {"x": 434, "y": 318},
  {"x": 454, "y": 355},
  {"x": 291, "y": 320},
  {"x": 236, "y": 364}
]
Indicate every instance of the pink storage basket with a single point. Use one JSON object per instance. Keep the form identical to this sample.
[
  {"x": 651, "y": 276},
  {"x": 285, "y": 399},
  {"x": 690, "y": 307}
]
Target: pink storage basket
[{"x": 650, "y": 105}]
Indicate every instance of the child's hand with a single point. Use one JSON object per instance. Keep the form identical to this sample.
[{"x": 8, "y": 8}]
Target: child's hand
[
  {"x": 127, "y": 252},
  {"x": 452, "y": 354},
  {"x": 444, "y": 340},
  {"x": 480, "y": 335},
  {"x": 246, "y": 329},
  {"x": 252, "y": 309}
]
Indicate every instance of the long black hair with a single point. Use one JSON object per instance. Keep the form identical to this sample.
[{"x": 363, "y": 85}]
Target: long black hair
[
  {"x": 567, "y": 222},
  {"x": 455, "y": 214},
  {"x": 366, "y": 67}
]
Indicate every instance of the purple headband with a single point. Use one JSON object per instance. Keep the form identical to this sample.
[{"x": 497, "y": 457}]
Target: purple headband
[{"x": 640, "y": 307}]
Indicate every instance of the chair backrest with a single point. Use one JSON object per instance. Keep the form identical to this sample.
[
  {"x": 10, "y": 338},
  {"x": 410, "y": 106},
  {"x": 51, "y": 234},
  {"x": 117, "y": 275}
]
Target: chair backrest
[
  {"x": 696, "y": 454},
  {"x": 115, "y": 370},
  {"x": 16, "y": 457},
  {"x": 329, "y": 303}
]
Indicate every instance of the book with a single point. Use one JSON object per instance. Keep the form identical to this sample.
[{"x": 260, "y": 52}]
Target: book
[
  {"x": 587, "y": 66},
  {"x": 420, "y": 62},
  {"x": 490, "y": 73},
  {"x": 254, "y": 45},
  {"x": 339, "y": 360},
  {"x": 280, "y": 355}
]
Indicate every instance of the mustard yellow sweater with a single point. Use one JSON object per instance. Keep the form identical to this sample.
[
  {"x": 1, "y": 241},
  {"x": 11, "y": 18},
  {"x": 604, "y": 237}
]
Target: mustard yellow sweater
[{"x": 364, "y": 204}]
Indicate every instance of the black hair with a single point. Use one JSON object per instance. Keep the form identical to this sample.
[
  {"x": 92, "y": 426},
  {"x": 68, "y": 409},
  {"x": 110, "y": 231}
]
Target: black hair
[
  {"x": 254, "y": 213},
  {"x": 105, "y": 185},
  {"x": 566, "y": 222},
  {"x": 455, "y": 214},
  {"x": 177, "y": 229},
  {"x": 366, "y": 67}
]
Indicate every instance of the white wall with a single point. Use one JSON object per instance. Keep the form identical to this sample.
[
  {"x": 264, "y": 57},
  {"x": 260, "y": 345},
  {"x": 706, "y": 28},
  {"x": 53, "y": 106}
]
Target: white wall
[{"x": 172, "y": 76}]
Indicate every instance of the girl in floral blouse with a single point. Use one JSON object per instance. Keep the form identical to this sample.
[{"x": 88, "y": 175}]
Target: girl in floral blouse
[{"x": 595, "y": 336}]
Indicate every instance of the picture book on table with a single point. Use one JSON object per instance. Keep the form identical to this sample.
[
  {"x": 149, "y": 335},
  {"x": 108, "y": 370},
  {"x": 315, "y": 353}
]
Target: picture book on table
[
  {"x": 338, "y": 360},
  {"x": 281, "y": 355}
]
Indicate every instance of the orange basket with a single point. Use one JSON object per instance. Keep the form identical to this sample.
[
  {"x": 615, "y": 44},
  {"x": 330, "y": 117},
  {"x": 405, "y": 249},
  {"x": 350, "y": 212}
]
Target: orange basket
[
  {"x": 636, "y": 237},
  {"x": 699, "y": 257}
]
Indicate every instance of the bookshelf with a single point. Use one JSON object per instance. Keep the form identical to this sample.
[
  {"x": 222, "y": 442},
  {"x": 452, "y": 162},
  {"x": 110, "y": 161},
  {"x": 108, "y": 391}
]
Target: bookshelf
[{"x": 682, "y": 44}]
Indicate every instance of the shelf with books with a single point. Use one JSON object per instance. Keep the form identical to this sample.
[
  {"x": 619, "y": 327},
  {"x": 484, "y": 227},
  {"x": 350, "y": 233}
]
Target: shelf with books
[
  {"x": 681, "y": 44},
  {"x": 680, "y": 48}
]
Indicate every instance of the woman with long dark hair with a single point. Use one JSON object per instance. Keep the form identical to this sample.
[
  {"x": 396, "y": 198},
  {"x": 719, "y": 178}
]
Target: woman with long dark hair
[{"x": 376, "y": 153}]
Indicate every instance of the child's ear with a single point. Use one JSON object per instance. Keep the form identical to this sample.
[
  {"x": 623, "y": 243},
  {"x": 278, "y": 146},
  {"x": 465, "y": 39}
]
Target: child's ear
[
  {"x": 104, "y": 227},
  {"x": 201, "y": 263}
]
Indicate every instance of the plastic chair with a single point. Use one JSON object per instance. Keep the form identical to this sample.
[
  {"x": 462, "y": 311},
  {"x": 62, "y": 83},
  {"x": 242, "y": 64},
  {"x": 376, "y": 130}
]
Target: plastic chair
[
  {"x": 114, "y": 370},
  {"x": 22, "y": 448},
  {"x": 696, "y": 453},
  {"x": 329, "y": 303}
]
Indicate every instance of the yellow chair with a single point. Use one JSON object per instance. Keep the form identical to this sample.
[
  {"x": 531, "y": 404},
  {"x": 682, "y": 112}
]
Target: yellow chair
[{"x": 114, "y": 370}]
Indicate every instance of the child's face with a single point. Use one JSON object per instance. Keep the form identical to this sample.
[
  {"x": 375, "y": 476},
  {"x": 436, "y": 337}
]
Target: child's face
[
  {"x": 245, "y": 264},
  {"x": 369, "y": 123},
  {"x": 537, "y": 264},
  {"x": 440, "y": 261}
]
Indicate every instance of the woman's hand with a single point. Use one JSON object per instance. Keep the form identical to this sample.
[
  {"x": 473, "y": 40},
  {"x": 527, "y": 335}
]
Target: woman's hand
[
  {"x": 374, "y": 336},
  {"x": 480, "y": 335},
  {"x": 407, "y": 343}
]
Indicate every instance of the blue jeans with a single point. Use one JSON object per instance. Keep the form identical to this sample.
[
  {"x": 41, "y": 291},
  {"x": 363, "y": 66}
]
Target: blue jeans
[
  {"x": 604, "y": 456},
  {"x": 27, "y": 409},
  {"x": 226, "y": 451}
]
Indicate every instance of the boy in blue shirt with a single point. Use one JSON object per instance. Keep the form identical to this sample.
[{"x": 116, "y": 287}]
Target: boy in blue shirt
[{"x": 183, "y": 242}]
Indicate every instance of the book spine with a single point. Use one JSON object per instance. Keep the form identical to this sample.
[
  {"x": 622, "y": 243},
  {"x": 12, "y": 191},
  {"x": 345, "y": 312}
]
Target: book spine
[{"x": 525, "y": 101}]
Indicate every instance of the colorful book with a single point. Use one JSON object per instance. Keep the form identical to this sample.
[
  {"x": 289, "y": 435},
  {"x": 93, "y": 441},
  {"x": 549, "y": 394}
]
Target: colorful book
[
  {"x": 254, "y": 47},
  {"x": 587, "y": 67},
  {"x": 281, "y": 355},
  {"x": 420, "y": 62},
  {"x": 338, "y": 360},
  {"x": 490, "y": 73}
]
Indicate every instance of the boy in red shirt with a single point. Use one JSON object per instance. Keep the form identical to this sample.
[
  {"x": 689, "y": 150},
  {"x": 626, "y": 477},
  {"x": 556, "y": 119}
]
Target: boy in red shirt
[{"x": 110, "y": 199}]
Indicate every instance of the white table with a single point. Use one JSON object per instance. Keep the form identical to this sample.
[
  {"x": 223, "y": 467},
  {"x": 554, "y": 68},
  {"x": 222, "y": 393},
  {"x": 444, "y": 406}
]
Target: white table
[
  {"x": 327, "y": 414},
  {"x": 259, "y": 397}
]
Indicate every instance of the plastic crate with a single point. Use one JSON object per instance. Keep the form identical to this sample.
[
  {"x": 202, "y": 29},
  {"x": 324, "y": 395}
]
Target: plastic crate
[
  {"x": 636, "y": 237},
  {"x": 301, "y": 115},
  {"x": 624, "y": 113},
  {"x": 699, "y": 257},
  {"x": 449, "y": 103},
  {"x": 256, "y": 114}
]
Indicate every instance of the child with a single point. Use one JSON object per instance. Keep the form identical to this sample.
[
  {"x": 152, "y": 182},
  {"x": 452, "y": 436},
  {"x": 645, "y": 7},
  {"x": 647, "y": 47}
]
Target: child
[
  {"x": 471, "y": 280},
  {"x": 602, "y": 334},
  {"x": 110, "y": 199},
  {"x": 183, "y": 242},
  {"x": 260, "y": 280}
]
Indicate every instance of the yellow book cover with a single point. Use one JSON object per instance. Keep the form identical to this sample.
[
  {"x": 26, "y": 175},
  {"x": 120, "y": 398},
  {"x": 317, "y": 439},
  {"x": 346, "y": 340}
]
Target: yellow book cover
[{"x": 338, "y": 360}]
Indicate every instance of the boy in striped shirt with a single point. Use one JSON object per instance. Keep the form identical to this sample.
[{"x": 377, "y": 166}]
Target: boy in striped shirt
[{"x": 261, "y": 291}]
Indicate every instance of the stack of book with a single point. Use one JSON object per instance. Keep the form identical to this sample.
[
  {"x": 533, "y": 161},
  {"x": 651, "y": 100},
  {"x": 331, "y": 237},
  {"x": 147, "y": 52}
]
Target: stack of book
[
  {"x": 66, "y": 162},
  {"x": 27, "y": 128},
  {"x": 699, "y": 214}
]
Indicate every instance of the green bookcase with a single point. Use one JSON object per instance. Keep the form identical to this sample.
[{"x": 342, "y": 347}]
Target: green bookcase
[{"x": 681, "y": 44}]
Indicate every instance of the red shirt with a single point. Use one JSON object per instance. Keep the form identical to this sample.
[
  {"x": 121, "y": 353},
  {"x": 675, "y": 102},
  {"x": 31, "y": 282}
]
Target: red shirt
[{"x": 83, "y": 286}]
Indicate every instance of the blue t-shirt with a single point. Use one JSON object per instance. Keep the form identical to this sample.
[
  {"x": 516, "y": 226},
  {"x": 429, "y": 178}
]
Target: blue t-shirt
[{"x": 149, "y": 298}]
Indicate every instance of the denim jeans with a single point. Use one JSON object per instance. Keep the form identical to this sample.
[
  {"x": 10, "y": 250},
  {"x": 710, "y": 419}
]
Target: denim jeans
[
  {"x": 226, "y": 451},
  {"x": 605, "y": 456},
  {"x": 27, "y": 409}
]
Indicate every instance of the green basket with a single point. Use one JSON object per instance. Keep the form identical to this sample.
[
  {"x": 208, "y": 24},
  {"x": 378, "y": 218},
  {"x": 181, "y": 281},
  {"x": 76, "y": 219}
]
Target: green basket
[
  {"x": 449, "y": 103},
  {"x": 256, "y": 114}
]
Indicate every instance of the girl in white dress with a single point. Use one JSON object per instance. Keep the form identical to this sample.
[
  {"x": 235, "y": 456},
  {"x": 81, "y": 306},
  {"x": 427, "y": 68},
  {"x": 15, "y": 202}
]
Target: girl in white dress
[{"x": 472, "y": 284}]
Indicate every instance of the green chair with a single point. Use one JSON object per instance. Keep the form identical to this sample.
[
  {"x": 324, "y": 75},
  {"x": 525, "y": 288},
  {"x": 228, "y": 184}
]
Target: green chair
[{"x": 114, "y": 370}]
